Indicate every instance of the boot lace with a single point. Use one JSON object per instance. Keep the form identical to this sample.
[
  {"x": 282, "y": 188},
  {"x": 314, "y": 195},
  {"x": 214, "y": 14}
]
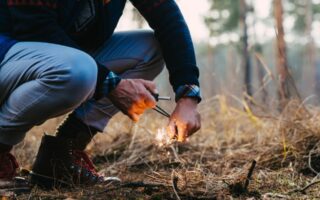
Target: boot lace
[{"x": 85, "y": 166}]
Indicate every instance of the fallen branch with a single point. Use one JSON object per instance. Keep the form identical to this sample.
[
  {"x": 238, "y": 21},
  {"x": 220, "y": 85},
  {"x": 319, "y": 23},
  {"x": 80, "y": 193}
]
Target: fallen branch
[
  {"x": 303, "y": 190},
  {"x": 251, "y": 169},
  {"x": 139, "y": 184}
]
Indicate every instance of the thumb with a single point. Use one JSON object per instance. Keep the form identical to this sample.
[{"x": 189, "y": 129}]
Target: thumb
[
  {"x": 182, "y": 133},
  {"x": 151, "y": 86},
  {"x": 171, "y": 129}
]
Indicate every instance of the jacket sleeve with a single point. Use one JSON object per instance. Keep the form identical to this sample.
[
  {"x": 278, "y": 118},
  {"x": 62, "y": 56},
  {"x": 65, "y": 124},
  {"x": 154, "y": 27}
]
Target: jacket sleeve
[
  {"x": 38, "y": 20},
  {"x": 165, "y": 18}
]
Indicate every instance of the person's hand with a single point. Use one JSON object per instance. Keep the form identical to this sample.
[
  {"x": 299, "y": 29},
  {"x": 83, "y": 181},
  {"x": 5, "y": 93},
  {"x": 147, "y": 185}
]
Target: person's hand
[
  {"x": 185, "y": 120},
  {"x": 133, "y": 97}
]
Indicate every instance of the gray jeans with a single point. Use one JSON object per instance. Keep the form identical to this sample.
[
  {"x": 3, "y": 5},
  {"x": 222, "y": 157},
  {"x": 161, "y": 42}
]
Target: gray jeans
[{"x": 39, "y": 81}]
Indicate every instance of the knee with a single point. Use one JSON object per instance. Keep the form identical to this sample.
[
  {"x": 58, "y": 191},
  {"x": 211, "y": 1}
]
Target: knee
[{"x": 80, "y": 77}]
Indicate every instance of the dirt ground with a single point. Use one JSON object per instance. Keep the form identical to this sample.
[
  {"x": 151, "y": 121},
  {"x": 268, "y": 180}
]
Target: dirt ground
[{"x": 240, "y": 153}]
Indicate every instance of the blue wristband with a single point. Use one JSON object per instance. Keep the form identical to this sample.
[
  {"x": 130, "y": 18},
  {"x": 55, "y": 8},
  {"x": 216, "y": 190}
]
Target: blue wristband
[
  {"x": 188, "y": 91},
  {"x": 110, "y": 83}
]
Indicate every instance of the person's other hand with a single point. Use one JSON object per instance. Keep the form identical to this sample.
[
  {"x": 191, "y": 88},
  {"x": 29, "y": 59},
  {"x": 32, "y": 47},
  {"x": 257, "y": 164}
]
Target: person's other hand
[
  {"x": 133, "y": 97},
  {"x": 185, "y": 120}
]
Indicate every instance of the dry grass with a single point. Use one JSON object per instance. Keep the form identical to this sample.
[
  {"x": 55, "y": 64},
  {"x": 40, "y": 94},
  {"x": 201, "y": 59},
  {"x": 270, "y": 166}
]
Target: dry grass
[{"x": 213, "y": 165}]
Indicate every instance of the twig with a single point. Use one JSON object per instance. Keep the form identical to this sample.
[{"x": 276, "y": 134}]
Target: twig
[
  {"x": 310, "y": 159},
  {"x": 134, "y": 135},
  {"x": 274, "y": 195},
  {"x": 139, "y": 184},
  {"x": 175, "y": 185},
  {"x": 303, "y": 190},
  {"x": 175, "y": 154},
  {"x": 253, "y": 165}
]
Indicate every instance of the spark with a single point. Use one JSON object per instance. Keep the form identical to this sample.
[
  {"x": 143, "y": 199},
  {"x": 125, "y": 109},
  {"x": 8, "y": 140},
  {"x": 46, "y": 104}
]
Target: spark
[{"x": 163, "y": 138}]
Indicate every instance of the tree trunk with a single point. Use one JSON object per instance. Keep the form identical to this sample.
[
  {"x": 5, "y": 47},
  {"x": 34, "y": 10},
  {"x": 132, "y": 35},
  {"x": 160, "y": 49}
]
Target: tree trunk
[
  {"x": 258, "y": 50},
  {"x": 245, "y": 50},
  {"x": 310, "y": 52},
  {"x": 287, "y": 88}
]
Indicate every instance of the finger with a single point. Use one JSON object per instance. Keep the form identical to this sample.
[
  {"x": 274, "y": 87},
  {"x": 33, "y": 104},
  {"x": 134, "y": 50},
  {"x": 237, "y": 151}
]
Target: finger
[
  {"x": 149, "y": 100},
  {"x": 194, "y": 129},
  {"x": 134, "y": 113},
  {"x": 145, "y": 99},
  {"x": 150, "y": 86},
  {"x": 138, "y": 110},
  {"x": 195, "y": 126},
  {"x": 182, "y": 133},
  {"x": 191, "y": 129},
  {"x": 135, "y": 117},
  {"x": 171, "y": 129}
]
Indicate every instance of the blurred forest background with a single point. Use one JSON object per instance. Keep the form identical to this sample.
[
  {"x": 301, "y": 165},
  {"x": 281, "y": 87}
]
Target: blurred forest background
[{"x": 264, "y": 49}]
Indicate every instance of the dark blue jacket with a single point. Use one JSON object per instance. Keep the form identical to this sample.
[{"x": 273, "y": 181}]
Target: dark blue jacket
[{"x": 86, "y": 24}]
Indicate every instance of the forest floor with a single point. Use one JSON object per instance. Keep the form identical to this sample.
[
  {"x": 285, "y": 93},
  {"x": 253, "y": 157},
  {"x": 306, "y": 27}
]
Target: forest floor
[{"x": 236, "y": 155}]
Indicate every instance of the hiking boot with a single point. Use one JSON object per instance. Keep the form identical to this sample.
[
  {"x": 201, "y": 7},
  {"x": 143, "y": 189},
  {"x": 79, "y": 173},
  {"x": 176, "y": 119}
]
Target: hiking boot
[
  {"x": 58, "y": 164},
  {"x": 73, "y": 128},
  {"x": 8, "y": 163},
  {"x": 10, "y": 183},
  {"x": 8, "y": 166}
]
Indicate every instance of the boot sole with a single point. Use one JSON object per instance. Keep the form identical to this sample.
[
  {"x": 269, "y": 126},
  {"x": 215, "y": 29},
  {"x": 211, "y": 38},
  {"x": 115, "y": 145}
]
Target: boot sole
[
  {"x": 17, "y": 186},
  {"x": 47, "y": 182}
]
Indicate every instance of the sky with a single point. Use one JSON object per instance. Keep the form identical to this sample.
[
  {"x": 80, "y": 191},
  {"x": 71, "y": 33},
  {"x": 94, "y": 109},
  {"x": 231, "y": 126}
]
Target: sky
[{"x": 195, "y": 10}]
